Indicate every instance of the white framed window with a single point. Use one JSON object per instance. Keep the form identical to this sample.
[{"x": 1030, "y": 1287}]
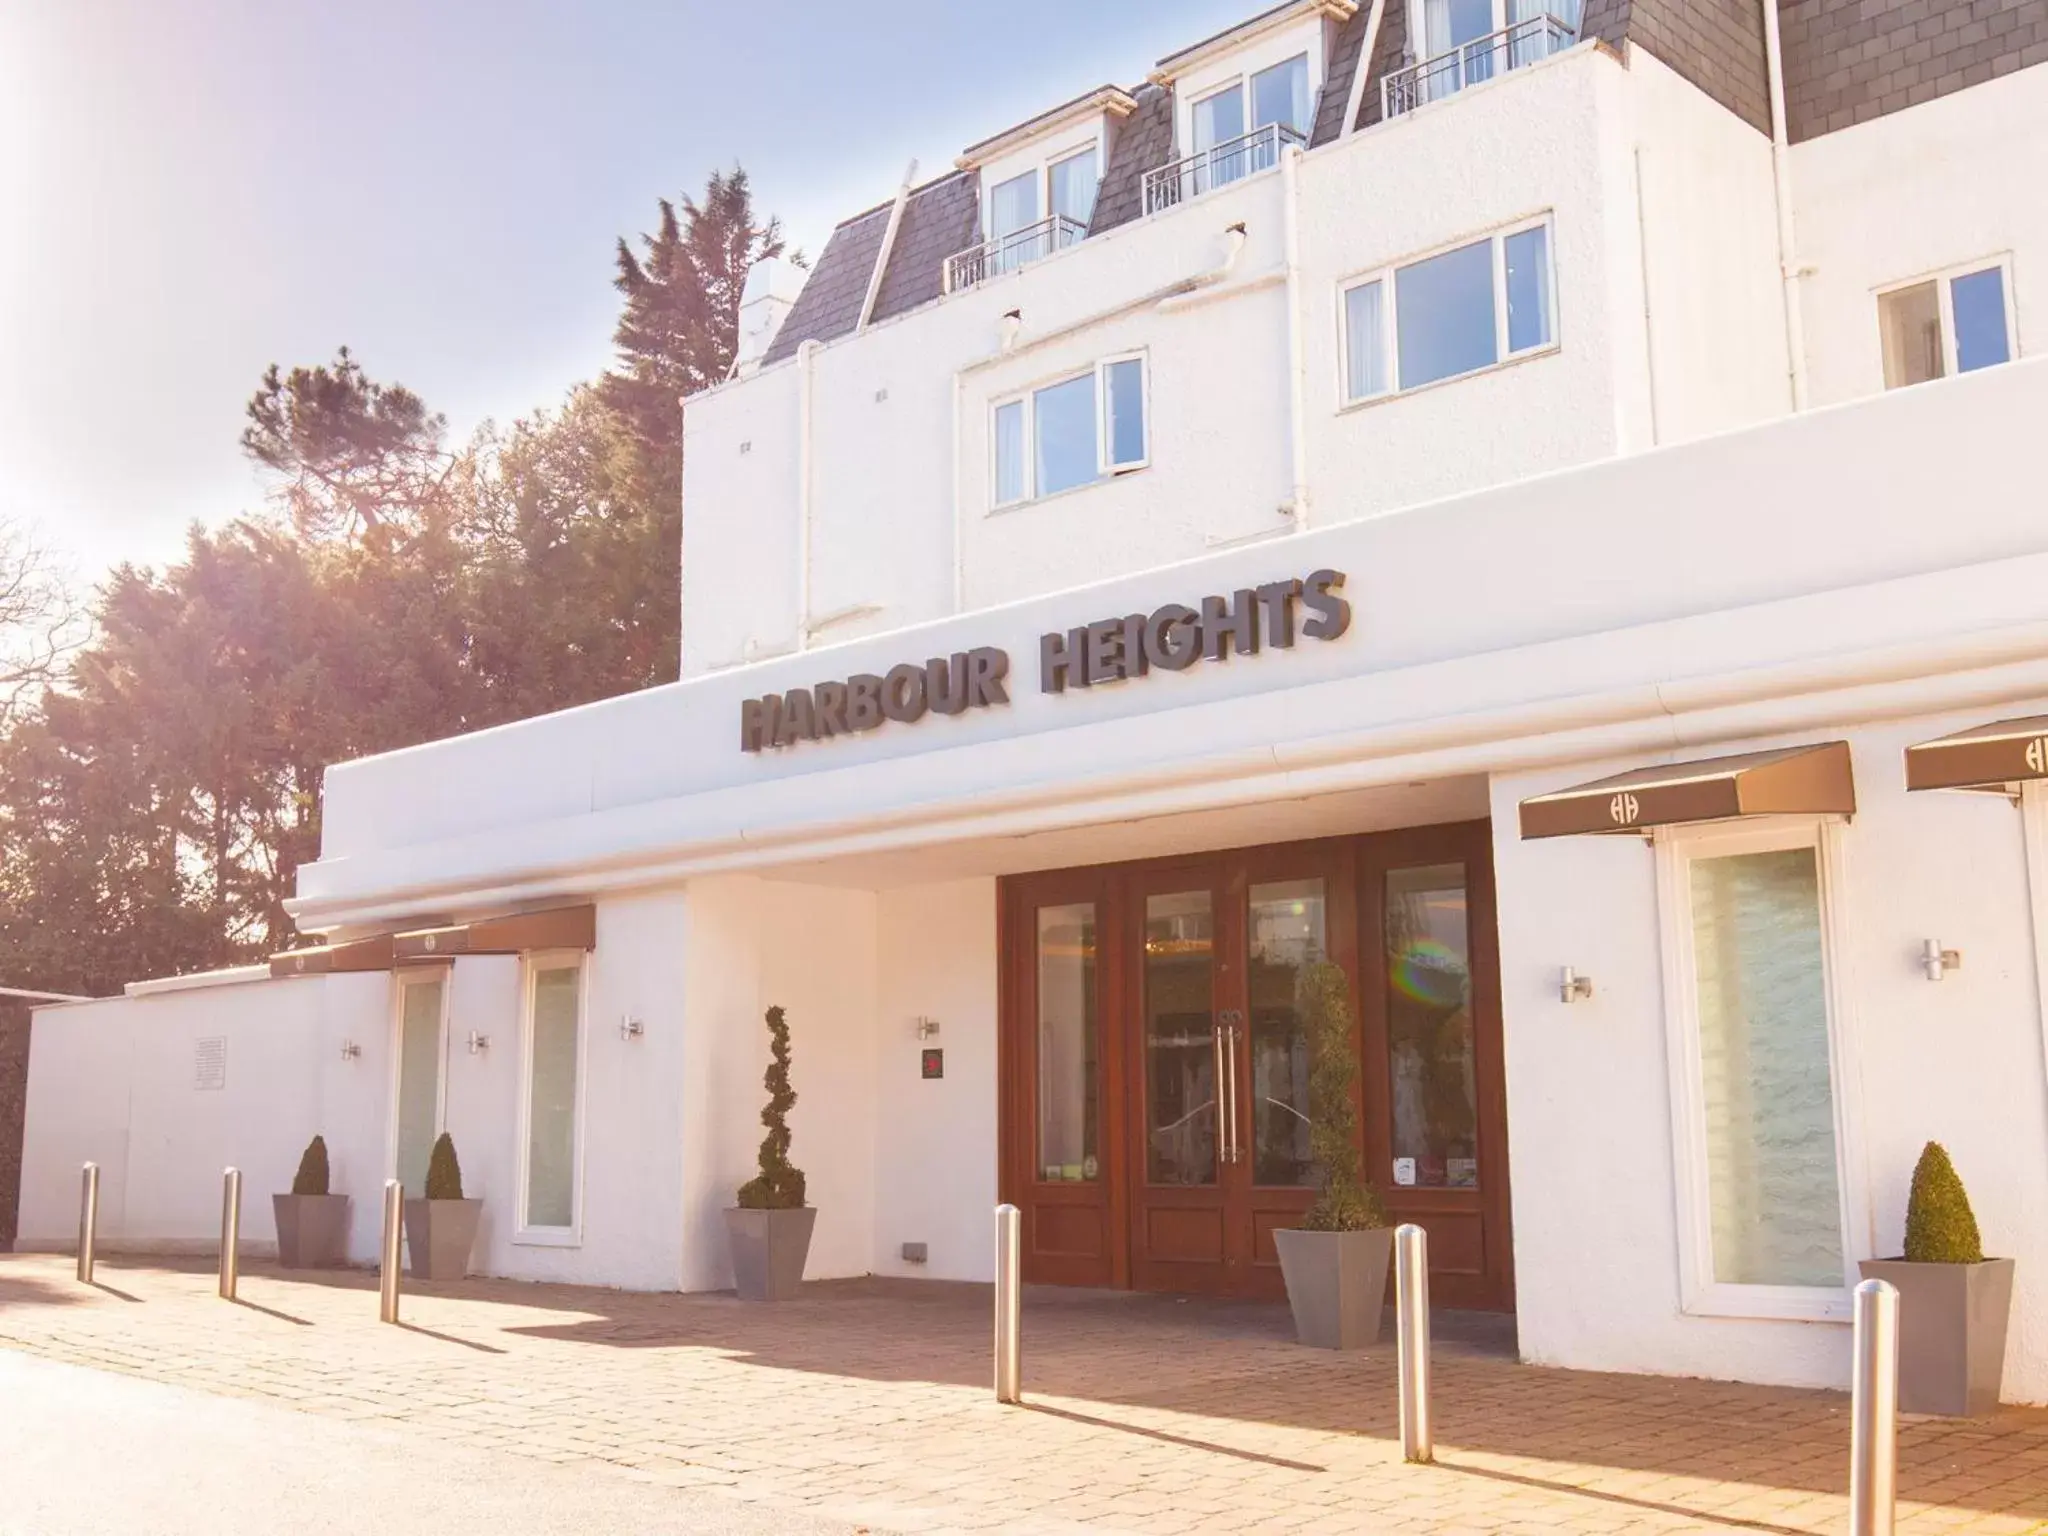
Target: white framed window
[
  {"x": 1071, "y": 432},
  {"x": 419, "y": 1073},
  {"x": 1772, "y": 1207},
  {"x": 1952, "y": 322},
  {"x": 551, "y": 1075},
  {"x": 1472, "y": 42},
  {"x": 1450, "y": 313}
]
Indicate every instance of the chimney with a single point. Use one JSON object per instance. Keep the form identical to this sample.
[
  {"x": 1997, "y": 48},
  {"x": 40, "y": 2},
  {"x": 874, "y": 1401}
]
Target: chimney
[{"x": 765, "y": 302}]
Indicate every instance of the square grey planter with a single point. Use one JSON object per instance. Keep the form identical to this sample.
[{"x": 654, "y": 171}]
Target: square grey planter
[
  {"x": 768, "y": 1251},
  {"x": 1336, "y": 1284},
  {"x": 312, "y": 1230},
  {"x": 1952, "y": 1321},
  {"x": 438, "y": 1237}
]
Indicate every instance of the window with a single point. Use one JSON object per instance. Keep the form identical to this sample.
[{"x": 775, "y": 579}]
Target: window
[
  {"x": 1222, "y": 119},
  {"x": 1069, "y": 1077},
  {"x": 551, "y": 1143},
  {"x": 1432, "y": 1069},
  {"x": 1449, "y": 314},
  {"x": 1955, "y": 322},
  {"x": 422, "y": 1049},
  {"x": 1073, "y": 182},
  {"x": 1467, "y": 41},
  {"x": 1013, "y": 205},
  {"x": 1756, "y": 1086},
  {"x": 1071, "y": 433}
]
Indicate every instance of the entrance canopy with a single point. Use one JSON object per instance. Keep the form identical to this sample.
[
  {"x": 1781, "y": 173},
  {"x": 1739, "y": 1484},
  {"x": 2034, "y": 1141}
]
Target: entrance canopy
[
  {"x": 555, "y": 928},
  {"x": 1994, "y": 756},
  {"x": 1791, "y": 781}
]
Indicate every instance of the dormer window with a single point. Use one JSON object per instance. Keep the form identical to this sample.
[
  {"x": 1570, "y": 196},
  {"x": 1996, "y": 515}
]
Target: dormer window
[
  {"x": 1465, "y": 42},
  {"x": 1038, "y": 185},
  {"x": 1227, "y": 146}
]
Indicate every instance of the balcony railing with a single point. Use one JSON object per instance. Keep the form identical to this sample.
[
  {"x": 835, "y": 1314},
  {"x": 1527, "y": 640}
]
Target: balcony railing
[
  {"x": 1481, "y": 59},
  {"x": 1006, "y": 253},
  {"x": 1232, "y": 160}
]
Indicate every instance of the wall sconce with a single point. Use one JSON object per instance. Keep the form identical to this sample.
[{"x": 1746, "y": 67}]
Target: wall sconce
[
  {"x": 350, "y": 1050},
  {"x": 478, "y": 1044},
  {"x": 631, "y": 1028},
  {"x": 1938, "y": 962},
  {"x": 926, "y": 1028},
  {"x": 1574, "y": 988}
]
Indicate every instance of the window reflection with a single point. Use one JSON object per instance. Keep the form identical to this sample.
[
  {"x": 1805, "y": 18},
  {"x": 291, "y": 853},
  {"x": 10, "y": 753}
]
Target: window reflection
[
  {"x": 1287, "y": 936},
  {"x": 1429, "y": 1028},
  {"x": 1180, "y": 1039},
  {"x": 1068, "y": 1074}
]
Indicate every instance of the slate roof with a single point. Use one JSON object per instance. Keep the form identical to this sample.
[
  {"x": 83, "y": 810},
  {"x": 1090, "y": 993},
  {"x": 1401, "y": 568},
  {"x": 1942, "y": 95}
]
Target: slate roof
[
  {"x": 1715, "y": 44},
  {"x": 1143, "y": 143}
]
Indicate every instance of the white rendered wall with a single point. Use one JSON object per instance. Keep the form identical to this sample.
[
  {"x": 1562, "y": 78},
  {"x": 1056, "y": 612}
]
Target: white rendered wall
[
  {"x": 1954, "y": 180},
  {"x": 935, "y": 1141},
  {"x": 114, "y": 1082},
  {"x": 1589, "y": 1116},
  {"x": 1709, "y": 243}
]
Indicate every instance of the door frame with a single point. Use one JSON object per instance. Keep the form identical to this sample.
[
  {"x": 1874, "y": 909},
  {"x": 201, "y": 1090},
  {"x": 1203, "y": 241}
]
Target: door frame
[{"x": 1350, "y": 865}]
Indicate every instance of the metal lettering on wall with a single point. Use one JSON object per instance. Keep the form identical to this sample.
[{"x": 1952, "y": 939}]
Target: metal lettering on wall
[{"x": 1171, "y": 638}]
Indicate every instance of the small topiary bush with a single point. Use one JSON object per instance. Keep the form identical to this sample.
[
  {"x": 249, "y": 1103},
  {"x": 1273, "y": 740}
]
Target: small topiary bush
[
  {"x": 1344, "y": 1201},
  {"x": 311, "y": 1179},
  {"x": 779, "y": 1186},
  {"x": 444, "y": 1173},
  {"x": 1940, "y": 1226}
]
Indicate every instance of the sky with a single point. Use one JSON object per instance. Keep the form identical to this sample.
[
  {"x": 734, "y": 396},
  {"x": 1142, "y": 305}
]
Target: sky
[{"x": 191, "y": 190}]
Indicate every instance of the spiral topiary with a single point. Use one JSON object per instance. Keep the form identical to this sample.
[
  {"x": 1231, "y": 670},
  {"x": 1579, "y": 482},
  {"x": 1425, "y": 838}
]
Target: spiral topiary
[
  {"x": 311, "y": 1179},
  {"x": 444, "y": 1173},
  {"x": 779, "y": 1186},
  {"x": 1940, "y": 1226},
  {"x": 1344, "y": 1201}
]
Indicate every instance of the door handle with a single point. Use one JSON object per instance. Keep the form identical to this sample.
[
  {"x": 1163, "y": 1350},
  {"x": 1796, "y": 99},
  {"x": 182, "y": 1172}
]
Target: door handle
[
  {"x": 1229, "y": 1022},
  {"x": 1221, "y": 1038},
  {"x": 1236, "y": 1146}
]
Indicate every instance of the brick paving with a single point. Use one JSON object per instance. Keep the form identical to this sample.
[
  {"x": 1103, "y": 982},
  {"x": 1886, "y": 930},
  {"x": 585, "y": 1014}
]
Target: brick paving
[{"x": 868, "y": 1401}]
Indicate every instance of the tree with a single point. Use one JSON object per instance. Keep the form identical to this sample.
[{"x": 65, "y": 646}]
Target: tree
[
  {"x": 351, "y": 456},
  {"x": 679, "y": 327},
  {"x": 40, "y": 620}
]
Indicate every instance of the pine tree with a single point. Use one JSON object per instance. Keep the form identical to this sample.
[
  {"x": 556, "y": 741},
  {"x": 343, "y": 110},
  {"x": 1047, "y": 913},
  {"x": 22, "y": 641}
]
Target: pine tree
[{"x": 1940, "y": 1226}]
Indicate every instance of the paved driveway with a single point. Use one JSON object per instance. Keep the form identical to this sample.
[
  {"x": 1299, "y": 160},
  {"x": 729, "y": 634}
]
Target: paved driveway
[{"x": 867, "y": 1402}]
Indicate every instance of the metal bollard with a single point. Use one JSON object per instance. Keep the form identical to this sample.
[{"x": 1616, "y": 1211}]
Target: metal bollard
[
  {"x": 394, "y": 1232},
  {"x": 1874, "y": 1411},
  {"x": 88, "y": 1220},
  {"x": 1411, "y": 1332},
  {"x": 230, "y": 1232},
  {"x": 1009, "y": 1304}
]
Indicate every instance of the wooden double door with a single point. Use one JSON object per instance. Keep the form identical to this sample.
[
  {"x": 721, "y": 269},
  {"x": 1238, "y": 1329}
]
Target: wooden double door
[{"x": 1155, "y": 1058}]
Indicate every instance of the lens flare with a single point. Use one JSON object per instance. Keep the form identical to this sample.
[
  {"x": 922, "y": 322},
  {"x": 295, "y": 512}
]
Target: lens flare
[{"x": 1430, "y": 972}]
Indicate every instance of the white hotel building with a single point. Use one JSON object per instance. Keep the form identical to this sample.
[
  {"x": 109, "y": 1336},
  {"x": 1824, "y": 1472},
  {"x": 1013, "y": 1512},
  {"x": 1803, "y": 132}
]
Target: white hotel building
[{"x": 1234, "y": 519}]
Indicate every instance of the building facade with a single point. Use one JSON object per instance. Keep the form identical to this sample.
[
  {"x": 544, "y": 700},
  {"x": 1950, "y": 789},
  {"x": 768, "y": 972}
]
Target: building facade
[{"x": 1512, "y": 499}]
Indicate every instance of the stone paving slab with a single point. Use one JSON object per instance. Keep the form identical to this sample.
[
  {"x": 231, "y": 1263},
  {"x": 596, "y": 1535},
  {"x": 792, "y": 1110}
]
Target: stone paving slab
[{"x": 869, "y": 1402}]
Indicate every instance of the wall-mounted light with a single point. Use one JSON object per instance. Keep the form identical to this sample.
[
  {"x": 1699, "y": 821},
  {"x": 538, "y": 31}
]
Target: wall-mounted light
[
  {"x": 1938, "y": 962},
  {"x": 926, "y": 1028},
  {"x": 631, "y": 1028},
  {"x": 350, "y": 1050},
  {"x": 478, "y": 1044},
  {"x": 1574, "y": 988}
]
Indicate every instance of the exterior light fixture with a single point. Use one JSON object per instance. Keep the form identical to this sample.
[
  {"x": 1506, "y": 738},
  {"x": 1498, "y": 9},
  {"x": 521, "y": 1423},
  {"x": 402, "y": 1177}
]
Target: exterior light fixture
[
  {"x": 631, "y": 1028},
  {"x": 1574, "y": 988},
  {"x": 926, "y": 1028},
  {"x": 1938, "y": 962},
  {"x": 478, "y": 1044},
  {"x": 350, "y": 1050}
]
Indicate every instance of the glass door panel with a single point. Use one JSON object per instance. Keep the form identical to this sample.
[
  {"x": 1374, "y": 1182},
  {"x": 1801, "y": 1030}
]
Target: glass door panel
[
  {"x": 419, "y": 1078},
  {"x": 1181, "y": 1057},
  {"x": 1432, "y": 1077},
  {"x": 1287, "y": 932},
  {"x": 1069, "y": 1071}
]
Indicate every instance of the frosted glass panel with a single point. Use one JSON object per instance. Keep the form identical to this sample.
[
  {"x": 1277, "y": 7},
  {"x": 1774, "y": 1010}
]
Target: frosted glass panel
[
  {"x": 1767, "y": 1094},
  {"x": 419, "y": 1080},
  {"x": 551, "y": 1115}
]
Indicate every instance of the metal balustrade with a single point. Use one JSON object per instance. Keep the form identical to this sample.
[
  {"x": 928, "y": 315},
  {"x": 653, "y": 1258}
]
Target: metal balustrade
[
  {"x": 1484, "y": 58},
  {"x": 1171, "y": 185},
  {"x": 1006, "y": 253}
]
